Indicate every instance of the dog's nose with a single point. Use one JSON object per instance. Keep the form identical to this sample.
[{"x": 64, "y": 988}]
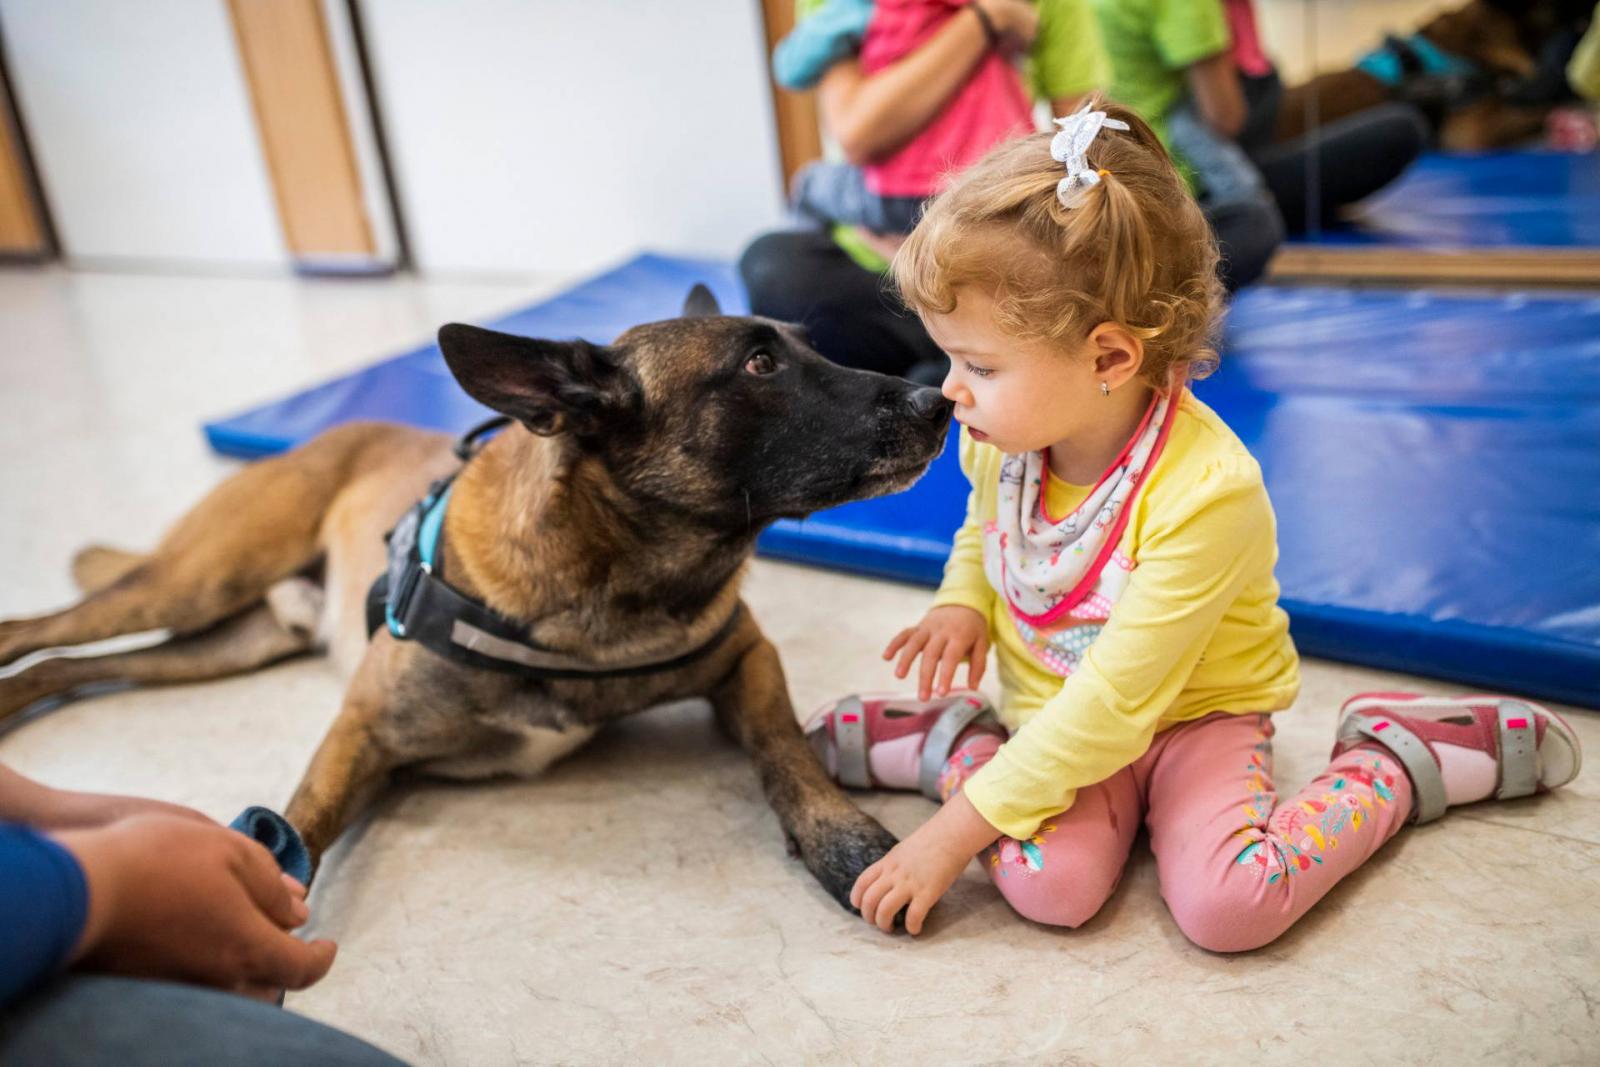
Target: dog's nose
[{"x": 930, "y": 403}]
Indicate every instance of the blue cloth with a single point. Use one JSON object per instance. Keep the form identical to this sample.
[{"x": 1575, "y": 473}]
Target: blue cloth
[
  {"x": 273, "y": 831},
  {"x": 44, "y": 902},
  {"x": 820, "y": 40}
]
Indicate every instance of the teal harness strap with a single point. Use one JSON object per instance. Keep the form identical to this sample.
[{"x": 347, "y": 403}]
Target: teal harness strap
[
  {"x": 432, "y": 523},
  {"x": 415, "y": 537}
]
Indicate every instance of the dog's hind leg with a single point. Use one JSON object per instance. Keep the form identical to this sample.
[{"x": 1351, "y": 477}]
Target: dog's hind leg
[
  {"x": 835, "y": 839},
  {"x": 245, "y": 642},
  {"x": 256, "y": 528}
]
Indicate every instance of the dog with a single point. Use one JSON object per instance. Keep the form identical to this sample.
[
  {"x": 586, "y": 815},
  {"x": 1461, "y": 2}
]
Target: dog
[{"x": 609, "y": 524}]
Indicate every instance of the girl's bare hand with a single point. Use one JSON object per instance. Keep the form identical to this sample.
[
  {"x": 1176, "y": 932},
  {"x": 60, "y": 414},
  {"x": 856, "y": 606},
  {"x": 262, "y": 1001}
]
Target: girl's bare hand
[{"x": 945, "y": 637}]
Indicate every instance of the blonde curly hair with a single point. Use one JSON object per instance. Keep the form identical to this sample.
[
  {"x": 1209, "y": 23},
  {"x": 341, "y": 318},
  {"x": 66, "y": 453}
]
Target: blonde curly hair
[{"x": 1136, "y": 251}]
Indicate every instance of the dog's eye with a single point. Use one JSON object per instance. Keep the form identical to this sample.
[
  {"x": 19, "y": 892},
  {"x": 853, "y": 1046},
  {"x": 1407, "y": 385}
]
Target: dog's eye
[{"x": 760, "y": 363}]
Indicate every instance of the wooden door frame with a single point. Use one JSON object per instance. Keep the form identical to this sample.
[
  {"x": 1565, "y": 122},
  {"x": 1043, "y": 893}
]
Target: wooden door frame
[
  {"x": 799, "y": 136},
  {"x": 26, "y": 231}
]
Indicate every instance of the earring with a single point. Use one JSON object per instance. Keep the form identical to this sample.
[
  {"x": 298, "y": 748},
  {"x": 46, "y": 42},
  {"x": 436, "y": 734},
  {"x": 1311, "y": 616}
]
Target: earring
[{"x": 1105, "y": 390}]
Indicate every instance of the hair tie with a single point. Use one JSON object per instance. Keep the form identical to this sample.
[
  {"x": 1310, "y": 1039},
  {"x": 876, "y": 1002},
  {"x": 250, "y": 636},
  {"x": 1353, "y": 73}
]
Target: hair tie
[{"x": 1071, "y": 145}]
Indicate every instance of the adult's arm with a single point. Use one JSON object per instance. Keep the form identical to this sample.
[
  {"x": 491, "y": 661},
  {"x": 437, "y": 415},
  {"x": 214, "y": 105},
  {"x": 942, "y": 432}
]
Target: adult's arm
[
  {"x": 1214, "y": 87},
  {"x": 44, "y": 904},
  {"x": 31, "y": 803},
  {"x": 872, "y": 115},
  {"x": 1062, "y": 106},
  {"x": 1069, "y": 59}
]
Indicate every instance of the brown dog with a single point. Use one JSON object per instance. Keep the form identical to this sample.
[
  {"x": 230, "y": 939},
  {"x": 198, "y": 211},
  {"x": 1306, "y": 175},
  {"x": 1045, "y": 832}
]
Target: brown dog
[
  {"x": 1492, "y": 36},
  {"x": 610, "y": 523}
]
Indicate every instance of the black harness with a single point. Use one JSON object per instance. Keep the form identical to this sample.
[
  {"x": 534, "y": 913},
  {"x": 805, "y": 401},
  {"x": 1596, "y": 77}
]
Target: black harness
[{"x": 416, "y": 605}]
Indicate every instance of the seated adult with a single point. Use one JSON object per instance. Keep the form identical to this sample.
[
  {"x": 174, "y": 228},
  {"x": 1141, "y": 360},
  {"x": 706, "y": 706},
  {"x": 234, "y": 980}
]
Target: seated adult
[
  {"x": 129, "y": 929},
  {"x": 1197, "y": 73},
  {"x": 832, "y": 280}
]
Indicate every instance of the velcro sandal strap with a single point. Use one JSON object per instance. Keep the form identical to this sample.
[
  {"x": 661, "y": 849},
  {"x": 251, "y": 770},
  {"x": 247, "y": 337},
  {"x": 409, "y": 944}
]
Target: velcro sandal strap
[
  {"x": 1519, "y": 751},
  {"x": 942, "y": 738},
  {"x": 1421, "y": 766},
  {"x": 850, "y": 743}
]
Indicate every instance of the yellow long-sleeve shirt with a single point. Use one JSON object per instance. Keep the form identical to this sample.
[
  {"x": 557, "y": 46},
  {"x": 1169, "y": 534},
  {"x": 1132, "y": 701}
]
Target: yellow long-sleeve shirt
[{"x": 1197, "y": 630}]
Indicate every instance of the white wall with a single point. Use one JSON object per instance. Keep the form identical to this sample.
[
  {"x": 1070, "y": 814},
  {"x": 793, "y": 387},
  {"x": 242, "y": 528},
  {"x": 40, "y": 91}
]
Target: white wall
[
  {"x": 566, "y": 134},
  {"x": 363, "y": 132},
  {"x": 140, "y": 122}
]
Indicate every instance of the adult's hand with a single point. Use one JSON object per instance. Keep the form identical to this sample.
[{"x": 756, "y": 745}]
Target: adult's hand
[
  {"x": 1017, "y": 22},
  {"x": 177, "y": 898},
  {"x": 885, "y": 244}
]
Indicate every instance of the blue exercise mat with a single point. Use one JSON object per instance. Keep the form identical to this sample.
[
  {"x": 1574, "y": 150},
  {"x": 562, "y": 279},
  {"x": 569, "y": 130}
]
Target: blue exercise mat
[
  {"x": 1434, "y": 460},
  {"x": 1484, "y": 200}
]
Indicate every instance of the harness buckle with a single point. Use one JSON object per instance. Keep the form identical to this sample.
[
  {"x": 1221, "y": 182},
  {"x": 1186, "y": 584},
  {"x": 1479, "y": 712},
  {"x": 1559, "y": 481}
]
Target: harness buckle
[{"x": 400, "y": 599}]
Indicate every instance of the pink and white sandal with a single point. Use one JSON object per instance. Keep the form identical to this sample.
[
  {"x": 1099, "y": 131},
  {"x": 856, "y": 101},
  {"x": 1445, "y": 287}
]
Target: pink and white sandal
[
  {"x": 876, "y": 740},
  {"x": 1534, "y": 748}
]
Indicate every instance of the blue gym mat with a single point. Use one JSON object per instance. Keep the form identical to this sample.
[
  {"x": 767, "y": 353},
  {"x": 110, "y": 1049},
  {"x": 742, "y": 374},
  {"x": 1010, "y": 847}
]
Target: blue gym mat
[
  {"x": 1434, "y": 460},
  {"x": 1482, "y": 200}
]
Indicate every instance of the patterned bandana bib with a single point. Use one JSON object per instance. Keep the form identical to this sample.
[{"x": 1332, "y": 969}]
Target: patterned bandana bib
[{"x": 1060, "y": 577}]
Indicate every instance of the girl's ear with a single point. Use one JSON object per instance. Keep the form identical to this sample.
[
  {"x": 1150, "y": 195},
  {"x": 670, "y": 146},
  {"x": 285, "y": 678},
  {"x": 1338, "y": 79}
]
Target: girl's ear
[{"x": 1118, "y": 355}]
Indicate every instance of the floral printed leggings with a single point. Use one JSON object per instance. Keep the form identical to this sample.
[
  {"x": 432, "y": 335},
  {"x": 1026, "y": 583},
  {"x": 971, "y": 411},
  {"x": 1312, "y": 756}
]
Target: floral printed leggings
[{"x": 1236, "y": 866}]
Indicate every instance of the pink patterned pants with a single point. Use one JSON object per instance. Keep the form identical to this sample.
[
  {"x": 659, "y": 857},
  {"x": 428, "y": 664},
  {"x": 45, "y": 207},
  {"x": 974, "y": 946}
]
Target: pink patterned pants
[{"x": 1237, "y": 867}]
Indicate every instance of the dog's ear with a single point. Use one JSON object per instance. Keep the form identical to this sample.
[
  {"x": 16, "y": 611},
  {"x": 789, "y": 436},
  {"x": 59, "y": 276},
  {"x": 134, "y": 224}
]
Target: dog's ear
[
  {"x": 550, "y": 387},
  {"x": 700, "y": 303}
]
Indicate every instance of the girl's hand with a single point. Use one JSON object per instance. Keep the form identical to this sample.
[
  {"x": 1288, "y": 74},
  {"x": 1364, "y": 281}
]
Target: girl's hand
[
  {"x": 945, "y": 636},
  {"x": 920, "y": 869}
]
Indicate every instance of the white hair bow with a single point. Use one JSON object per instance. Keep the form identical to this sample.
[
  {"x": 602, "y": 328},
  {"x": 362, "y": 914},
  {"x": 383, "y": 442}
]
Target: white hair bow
[{"x": 1070, "y": 146}]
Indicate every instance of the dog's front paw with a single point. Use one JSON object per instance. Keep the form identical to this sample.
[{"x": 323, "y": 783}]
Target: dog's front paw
[{"x": 839, "y": 851}]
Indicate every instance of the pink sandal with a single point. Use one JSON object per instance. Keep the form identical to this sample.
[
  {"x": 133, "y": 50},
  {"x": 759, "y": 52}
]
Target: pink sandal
[
  {"x": 875, "y": 740},
  {"x": 1534, "y": 748}
]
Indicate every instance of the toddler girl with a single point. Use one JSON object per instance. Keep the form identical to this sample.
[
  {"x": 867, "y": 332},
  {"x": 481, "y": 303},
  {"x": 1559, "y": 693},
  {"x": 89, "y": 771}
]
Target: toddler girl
[{"x": 1118, "y": 552}]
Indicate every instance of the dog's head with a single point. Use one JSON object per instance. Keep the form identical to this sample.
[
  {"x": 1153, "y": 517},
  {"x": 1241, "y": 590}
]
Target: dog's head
[{"x": 734, "y": 420}]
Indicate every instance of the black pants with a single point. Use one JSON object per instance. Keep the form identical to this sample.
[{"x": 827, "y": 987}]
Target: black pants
[
  {"x": 851, "y": 314},
  {"x": 1248, "y": 232},
  {"x": 1351, "y": 158}
]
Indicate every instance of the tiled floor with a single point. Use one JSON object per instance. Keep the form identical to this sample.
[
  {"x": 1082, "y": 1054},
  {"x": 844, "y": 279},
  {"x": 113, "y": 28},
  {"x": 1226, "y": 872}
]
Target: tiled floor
[{"x": 635, "y": 905}]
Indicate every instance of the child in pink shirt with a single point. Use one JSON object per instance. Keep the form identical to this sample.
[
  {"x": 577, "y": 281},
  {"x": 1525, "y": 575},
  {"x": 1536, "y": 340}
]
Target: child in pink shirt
[{"x": 886, "y": 195}]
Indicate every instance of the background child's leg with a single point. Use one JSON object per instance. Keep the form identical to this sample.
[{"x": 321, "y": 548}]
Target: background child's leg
[
  {"x": 1068, "y": 869},
  {"x": 1237, "y": 868}
]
